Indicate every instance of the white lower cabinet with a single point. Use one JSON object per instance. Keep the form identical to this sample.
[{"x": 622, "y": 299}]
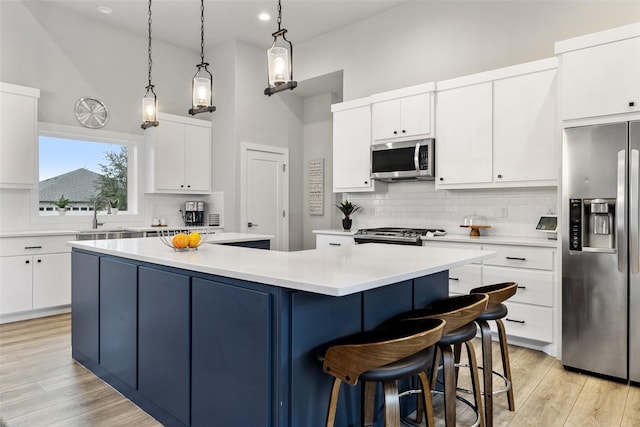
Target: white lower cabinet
[
  {"x": 531, "y": 309},
  {"x": 333, "y": 241},
  {"x": 36, "y": 273}
]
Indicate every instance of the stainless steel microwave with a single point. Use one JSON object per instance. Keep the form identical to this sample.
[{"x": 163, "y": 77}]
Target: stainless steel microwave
[{"x": 401, "y": 161}]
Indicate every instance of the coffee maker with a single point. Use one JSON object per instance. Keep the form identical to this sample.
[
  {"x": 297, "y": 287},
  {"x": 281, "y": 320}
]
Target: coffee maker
[{"x": 194, "y": 213}]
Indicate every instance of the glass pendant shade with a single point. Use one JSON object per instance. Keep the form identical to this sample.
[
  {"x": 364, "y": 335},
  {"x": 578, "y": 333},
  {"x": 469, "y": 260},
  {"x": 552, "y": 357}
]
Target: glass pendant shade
[
  {"x": 279, "y": 66},
  {"x": 149, "y": 109},
  {"x": 201, "y": 91}
]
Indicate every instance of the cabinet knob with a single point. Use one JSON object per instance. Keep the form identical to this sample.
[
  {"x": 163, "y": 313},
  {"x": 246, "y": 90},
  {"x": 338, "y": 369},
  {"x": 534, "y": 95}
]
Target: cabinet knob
[
  {"x": 499, "y": 175},
  {"x": 441, "y": 179},
  {"x": 366, "y": 182},
  {"x": 632, "y": 103},
  {"x": 188, "y": 186},
  {"x": 181, "y": 186},
  {"x": 27, "y": 262},
  {"x": 404, "y": 131},
  {"x": 39, "y": 261},
  {"x": 395, "y": 132}
]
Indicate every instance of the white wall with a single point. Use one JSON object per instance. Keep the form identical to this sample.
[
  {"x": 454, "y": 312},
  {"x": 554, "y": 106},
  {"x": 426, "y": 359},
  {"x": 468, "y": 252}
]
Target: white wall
[
  {"x": 318, "y": 137},
  {"x": 425, "y": 41}
]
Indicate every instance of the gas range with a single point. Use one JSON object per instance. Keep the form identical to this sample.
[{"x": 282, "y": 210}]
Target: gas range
[{"x": 398, "y": 236}]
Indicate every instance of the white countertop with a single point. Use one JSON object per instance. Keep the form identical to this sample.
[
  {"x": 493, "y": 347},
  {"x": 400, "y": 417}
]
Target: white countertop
[
  {"x": 495, "y": 240},
  {"x": 336, "y": 232},
  {"x": 330, "y": 271},
  {"x": 220, "y": 238},
  {"x": 40, "y": 233}
]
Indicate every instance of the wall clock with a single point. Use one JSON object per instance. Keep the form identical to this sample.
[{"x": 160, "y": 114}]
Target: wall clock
[{"x": 91, "y": 112}]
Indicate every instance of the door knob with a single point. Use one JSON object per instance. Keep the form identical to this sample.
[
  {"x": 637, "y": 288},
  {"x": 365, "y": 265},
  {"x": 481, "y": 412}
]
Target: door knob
[{"x": 250, "y": 224}]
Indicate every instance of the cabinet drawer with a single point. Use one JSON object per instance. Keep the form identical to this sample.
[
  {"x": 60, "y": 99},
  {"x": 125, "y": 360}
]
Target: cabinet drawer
[
  {"x": 332, "y": 240},
  {"x": 10, "y": 246},
  {"x": 453, "y": 245},
  {"x": 463, "y": 279},
  {"x": 531, "y": 322},
  {"x": 534, "y": 286},
  {"x": 520, "y": 256}
]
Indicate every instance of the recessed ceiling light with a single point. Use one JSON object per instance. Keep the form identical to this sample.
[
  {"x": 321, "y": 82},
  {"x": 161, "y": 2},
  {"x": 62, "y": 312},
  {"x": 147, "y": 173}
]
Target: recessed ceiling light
[
  {"x": 264, "y": 16},
  {"x": 105, "y": 9}
]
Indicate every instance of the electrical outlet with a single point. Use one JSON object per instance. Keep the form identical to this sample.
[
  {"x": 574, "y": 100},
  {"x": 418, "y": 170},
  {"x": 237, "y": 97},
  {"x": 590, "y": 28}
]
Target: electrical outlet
[{"x": 503, "y": 212}]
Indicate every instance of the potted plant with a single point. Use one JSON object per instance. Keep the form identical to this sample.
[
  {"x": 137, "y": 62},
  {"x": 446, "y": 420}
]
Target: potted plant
[
  {"x": 347, "y": 208},
  {"x": 114, "y": 206},
  {"x": 62, "y": 204}
]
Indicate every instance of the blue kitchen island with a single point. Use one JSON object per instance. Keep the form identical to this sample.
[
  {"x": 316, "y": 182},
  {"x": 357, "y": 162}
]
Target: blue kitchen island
[{"x": 225, "y": 335}]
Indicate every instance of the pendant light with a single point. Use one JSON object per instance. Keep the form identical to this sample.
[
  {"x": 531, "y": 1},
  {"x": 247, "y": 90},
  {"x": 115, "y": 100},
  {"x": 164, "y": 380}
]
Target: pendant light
[
  {"x": 202, "y": 83},
  {"x": 280, "y": 62},
  {"x": 150, "y": 101}
]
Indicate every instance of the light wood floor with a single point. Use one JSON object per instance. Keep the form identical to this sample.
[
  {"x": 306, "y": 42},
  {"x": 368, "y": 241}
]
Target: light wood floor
[{"x": 40, "y": 385}]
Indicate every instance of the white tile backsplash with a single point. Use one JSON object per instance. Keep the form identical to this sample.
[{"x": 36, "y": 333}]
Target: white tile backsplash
[{"x": 417, "y": 204}]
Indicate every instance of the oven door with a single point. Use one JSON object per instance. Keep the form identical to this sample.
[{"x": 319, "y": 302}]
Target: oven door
[{"x": 402, "y": 160}]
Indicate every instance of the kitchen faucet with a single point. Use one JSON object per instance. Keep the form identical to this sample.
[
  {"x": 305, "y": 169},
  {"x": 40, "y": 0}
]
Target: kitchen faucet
[{"x": 95, "y": 223}]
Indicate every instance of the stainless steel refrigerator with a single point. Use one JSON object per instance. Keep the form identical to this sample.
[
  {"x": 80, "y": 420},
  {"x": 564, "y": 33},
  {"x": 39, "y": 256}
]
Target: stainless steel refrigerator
[{"x": 601, "y": 250}]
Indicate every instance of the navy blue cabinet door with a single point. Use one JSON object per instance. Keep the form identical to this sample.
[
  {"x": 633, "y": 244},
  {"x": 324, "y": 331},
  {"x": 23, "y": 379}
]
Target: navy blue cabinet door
[
  {"x": 256, "y": 244},
  {"x": 85, "y": 300},
  {"x": 118, "y": 319},
  {"x": 232, "y": 338},
  {"x": 164, "y": 340}
]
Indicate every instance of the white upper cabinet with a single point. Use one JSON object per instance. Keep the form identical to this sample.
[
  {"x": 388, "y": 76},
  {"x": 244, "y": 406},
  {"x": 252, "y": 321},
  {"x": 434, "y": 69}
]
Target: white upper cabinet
[
  {"x": 352, "y": 146},
  {"x": 463, "y": 147},
  {"x": 498, "y": 128},
  {"x": 178, "y": 155},
  {"x": 403, "y": 114},
  {"x": 524, "y": 128},
  {"x": 600, "y": 73},
  {"x": 18, "y": 136}
]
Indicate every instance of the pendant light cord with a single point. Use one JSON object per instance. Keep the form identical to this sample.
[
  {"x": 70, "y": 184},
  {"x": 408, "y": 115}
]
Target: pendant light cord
[
  {"x": 279, "y": 15},
  {"x": 202, "y": 31},
  {"x": 150, "y": 61}
]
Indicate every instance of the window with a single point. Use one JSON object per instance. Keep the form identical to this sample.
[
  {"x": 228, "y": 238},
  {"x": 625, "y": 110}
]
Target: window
[{"x": 81, "y": 169}]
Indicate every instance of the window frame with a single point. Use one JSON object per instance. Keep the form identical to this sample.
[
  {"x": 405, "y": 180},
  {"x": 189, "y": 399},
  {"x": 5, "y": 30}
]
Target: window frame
[{"x": 134, "y": 173}]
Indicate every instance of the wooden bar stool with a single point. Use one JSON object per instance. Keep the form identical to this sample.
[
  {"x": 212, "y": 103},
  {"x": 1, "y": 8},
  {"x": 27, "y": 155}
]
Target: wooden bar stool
[
  {"x": 495, "y": 311},
  {"x": 460, "y": 313},
  {"x": 385, "y": 356}
]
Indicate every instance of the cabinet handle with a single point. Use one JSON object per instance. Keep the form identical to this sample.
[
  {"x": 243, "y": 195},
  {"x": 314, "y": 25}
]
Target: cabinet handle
[
  {"x": 454, "y": 278},
  {"x": 188, "y": 186},
  {"x": 27, "y": 262},
  {"x": 631, "y": 104},
  {"x": 335, "y": 244},
  {"x": 441, "y": 179},
  {"x": 499, "y": 175},
  {"x": 522, "y": 287},
  {"x": 39, "y": 260},
  {"x": 514, "y": 321},
  {"x": 33, "y": 247},
  {"x": 395, "y": 132},
  {"x": 515, "y": 258}
]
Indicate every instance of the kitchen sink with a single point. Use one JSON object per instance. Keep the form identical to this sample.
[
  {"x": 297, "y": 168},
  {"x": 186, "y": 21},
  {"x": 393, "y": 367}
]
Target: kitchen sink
[{"x": 103, "y": 234}]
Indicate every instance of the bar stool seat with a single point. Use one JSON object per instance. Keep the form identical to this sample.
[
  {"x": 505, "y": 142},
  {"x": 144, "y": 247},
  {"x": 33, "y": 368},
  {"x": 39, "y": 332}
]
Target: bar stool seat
[
  {"x": 382, "y": 355},
  {"x": 495, "y": 311},
  {"x": 460, "y": 313}
]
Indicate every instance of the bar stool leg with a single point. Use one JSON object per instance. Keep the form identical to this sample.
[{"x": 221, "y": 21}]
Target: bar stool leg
[
  {"x": 487, "y": 370},
  {"x": 333, "y": 402},
  {"x": 506, "y": 365},
  {"x": 448, "y": 364},
  {"x": 391, "y": 404},
  {"x": 427, "y": 401},
  {"x": 369, "y": 403}
]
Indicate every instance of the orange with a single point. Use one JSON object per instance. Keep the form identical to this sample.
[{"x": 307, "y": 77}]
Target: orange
[
  {"x": 194, "y": 239},
  {"x": 180, "y": 241}
]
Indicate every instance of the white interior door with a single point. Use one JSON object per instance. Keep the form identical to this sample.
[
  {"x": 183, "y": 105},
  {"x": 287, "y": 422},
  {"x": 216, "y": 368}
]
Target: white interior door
[{"x": 264, "y": 197}]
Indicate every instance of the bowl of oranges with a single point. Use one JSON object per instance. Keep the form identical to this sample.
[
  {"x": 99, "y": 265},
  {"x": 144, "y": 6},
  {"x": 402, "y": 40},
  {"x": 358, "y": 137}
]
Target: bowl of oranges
[{"x": 183, "y": 240}]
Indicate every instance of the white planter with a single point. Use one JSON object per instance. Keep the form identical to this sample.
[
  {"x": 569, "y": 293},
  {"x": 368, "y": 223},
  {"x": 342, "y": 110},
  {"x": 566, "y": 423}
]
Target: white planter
[
  {"x": 114, "y": 211},
  {"x": 62, "y": 211}
]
